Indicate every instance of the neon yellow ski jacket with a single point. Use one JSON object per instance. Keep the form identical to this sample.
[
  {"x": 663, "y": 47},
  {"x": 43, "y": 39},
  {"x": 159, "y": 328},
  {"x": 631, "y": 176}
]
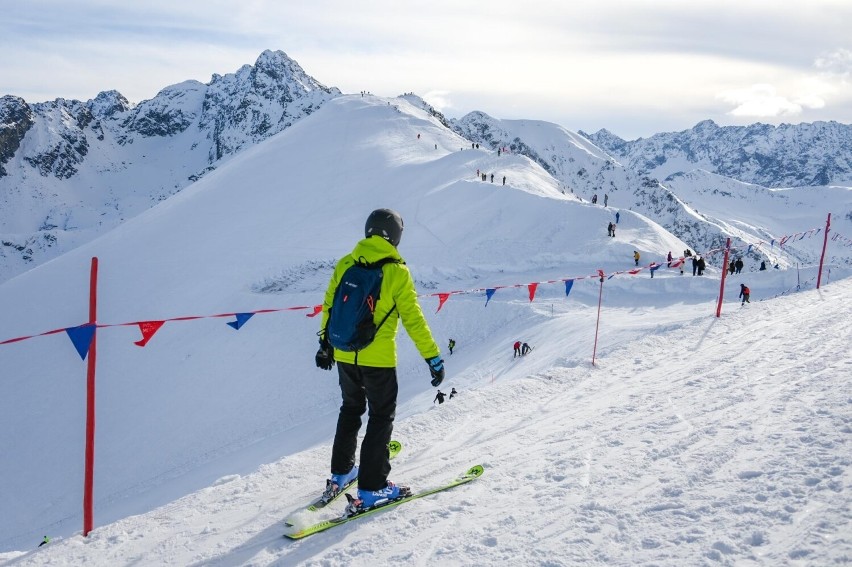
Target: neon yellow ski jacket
[{"x": 397, "y": 288}]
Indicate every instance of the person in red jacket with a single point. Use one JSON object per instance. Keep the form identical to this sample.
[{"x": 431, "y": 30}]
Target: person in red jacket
[
  {"x": 517, "y": 346},
  {"x": 744, "y": 293}
]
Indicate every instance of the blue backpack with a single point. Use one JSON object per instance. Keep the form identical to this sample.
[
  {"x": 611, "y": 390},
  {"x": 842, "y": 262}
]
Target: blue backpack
[{"x": 350, "y": 324}]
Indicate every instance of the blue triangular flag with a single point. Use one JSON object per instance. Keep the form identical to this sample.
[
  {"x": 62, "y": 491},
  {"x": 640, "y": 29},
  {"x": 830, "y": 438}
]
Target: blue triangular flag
[
  {"x": 241, "y": 320},
  {"x": 82, "y": 338},
  {"x": 488, "y": 294},
  {"x": 568, "y": 285}
]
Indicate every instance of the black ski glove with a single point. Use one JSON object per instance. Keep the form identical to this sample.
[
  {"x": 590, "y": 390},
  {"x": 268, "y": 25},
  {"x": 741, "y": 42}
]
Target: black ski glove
[
  {"x": 436, "y": 368},
  {"x": 325, "y": 355}
]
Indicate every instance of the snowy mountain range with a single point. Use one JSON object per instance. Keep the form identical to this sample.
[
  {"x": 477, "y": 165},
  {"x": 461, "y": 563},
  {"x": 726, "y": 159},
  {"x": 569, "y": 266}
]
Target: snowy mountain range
[
  {"x": 70, "y": 170},
  {"x": 773, "y": 156},
  {"x": 691, "y": 439}
]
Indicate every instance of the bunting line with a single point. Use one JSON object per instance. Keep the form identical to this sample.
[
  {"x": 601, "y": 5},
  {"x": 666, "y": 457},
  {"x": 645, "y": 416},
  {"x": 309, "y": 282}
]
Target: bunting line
[{"x": 149, "y": 328}]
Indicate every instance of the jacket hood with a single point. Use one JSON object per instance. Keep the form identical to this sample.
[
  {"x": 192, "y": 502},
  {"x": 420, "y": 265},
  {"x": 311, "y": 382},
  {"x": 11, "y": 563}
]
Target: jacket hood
[{"x": 373, "y": 249}]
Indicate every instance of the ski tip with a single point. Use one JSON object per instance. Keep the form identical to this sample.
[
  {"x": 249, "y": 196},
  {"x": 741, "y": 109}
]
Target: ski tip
[{"x": 475, "y": 470}]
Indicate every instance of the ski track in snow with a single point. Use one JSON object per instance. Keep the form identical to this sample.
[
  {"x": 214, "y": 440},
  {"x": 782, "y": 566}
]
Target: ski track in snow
[{"x": 627, "y": 464}]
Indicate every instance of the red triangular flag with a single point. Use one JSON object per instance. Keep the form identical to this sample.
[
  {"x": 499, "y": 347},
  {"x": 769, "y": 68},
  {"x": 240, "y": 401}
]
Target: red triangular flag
[
  {"x": 148, "y": 329},
  {"x": 317, "y": 311},
  {"x": 442, "y": 298},
  {"x": 532, "y": 287}
]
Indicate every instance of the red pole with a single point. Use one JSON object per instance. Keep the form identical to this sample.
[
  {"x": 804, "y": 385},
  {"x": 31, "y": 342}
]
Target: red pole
[
  {"x": 89, "y": 479},
  {"x": 724, "y": 273},
  {"x": 824, "y": 245},
  {"x": 600, "y": 298}
]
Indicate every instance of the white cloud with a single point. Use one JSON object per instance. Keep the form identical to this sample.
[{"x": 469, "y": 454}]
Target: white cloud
[
  {"x": 440, "y": 100},
  {"x": 763, "y": 100},
  {"x": 837, "y": 64}
]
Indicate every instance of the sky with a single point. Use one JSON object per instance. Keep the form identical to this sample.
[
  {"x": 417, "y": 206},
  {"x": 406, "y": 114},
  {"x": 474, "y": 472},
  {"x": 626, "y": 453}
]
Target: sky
[
  {"x": 633, "y": 67},
  {"x": 692, "y": 439}
]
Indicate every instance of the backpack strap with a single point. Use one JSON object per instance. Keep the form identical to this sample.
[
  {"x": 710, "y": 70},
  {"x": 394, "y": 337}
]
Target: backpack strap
[{"x": 379, "y": 264}]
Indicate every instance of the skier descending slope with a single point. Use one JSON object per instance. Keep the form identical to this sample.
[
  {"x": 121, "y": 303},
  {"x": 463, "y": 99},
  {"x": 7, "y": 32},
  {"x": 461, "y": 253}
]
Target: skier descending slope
[{"x": 366, "y": 354}]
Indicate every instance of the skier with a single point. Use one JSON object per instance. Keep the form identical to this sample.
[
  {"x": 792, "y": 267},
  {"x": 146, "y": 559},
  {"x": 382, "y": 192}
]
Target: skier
[
  {"x": 44, "y": 541},
  {"x": 636, "y": 257},
  {"x": 609, "y": 229},
  {"x": 745, "y": 292},
  {"x": 517, "y": 347},
  {"x": 595, "y": 199},
  {"x": 701, "y": 265},
  {"x": 451, "y": 346},
  {"x": 452, "y": 393},
  {"x": 525, "y": 349},
  {"x": 504, "y": 180},
  {"x": 439, "y": 397},
  {"x": 617, "y": 216},
  {"x": 669, "y": 259},
  {"x": 732, "y": 267},
  {"x": 368, "y": 377},
  {"x": 739, "y": 265},
  {"x": 606, "y": 199}
]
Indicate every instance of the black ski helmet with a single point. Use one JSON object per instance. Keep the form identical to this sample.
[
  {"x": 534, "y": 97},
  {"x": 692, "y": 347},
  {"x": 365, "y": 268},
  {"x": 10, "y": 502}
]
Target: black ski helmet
[{"x": 385, "y": 223}]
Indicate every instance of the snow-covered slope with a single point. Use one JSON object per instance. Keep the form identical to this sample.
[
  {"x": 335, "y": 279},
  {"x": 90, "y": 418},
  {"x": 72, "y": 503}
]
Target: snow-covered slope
[
  {"x": 701, "y": 208},
  {"x": 262, "y": 231},
  {"x": 692, "y": 439}
]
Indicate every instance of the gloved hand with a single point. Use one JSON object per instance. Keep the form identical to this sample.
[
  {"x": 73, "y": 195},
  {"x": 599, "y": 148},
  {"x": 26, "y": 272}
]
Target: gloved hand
[
  {"x": 325, "y": 355},
  {"x": 436, "y": 368}
]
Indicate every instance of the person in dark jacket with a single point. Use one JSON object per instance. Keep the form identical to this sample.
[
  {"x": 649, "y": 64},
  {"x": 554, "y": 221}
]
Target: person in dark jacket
[
  {"x": 525, "y": 349},
  {"x": 439, "y": 397},
  {"x": 745, "y": 292},
  {"x": 453, "y": 393},
  {"x": 694, "y": 265},
  {"x": 739, "y": 265},
  {"x": 701, "y": 265},
  {"x": 762, "y": 265},
  {"x": 732, "y": 267}
]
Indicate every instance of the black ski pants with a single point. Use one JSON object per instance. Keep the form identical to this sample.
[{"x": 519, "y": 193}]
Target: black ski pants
[{"x": 363, "y": 386}]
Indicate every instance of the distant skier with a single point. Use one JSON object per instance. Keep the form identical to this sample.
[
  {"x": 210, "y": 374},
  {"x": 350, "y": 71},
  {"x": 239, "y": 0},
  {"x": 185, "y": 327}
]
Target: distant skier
[
  {"x": 504, "y": 180},
  {"x": 44, "y": 541},
  {"x": 525, "y": 349},
  {"x": 453, "y": 393},
  {"x": 762, "y": 265},
  {"x": 701, "y": 265},
  {"x": 636, "y": 257},
  {"x": 451, "y": 345},
  {"x": 609, "y": 229},
  {"x": 669, "y": 259},
  {"x": 517, "y": 347},
  {"x": 595, "y": 199},
  {"x": 745, "y": 292},
  {"x": 439, "y": 397},
  {"x": 606, "y": 199},
  {"x": 732, "y": 267},
  {"x": 739, "y": 265},
  {"x": 617, "y": 216}
]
